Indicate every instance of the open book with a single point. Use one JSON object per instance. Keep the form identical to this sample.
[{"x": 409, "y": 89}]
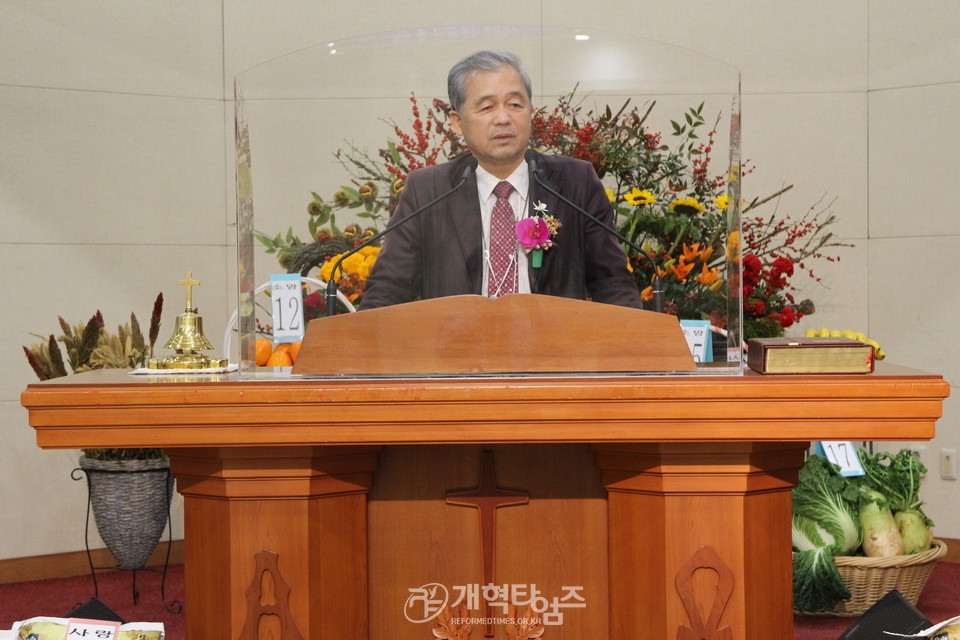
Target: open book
[{"x": 936, "y": 632}]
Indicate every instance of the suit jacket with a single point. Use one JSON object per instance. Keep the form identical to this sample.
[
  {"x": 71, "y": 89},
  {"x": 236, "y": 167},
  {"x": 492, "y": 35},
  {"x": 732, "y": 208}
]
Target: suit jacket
[{"x": 440, "y": 252}]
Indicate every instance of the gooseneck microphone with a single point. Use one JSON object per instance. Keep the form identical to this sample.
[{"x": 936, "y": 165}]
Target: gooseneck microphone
[
  {"x": 531, "y": 158},
  {"x": 331, "y": 295}
]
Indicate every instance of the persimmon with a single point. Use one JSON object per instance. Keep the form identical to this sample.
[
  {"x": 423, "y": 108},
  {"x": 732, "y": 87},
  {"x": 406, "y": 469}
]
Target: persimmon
[
  {"x": 263, "y": 350},
  {"x": 280, "y": 358},
  {"x": 295, "y": 350}
]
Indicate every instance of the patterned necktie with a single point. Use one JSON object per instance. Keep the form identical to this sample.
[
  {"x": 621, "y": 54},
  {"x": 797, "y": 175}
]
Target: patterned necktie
[{"x": 502, "y": 279}]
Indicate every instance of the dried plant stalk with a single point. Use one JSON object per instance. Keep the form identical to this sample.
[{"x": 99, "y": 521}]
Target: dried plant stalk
[
  {"x": 155, "y": 321},
  {"x": 138, "y": 342},
  {"x": 37, "y": 363},
  {"x": 56, "y": 359},
  {"x": 88, "y": 341}
]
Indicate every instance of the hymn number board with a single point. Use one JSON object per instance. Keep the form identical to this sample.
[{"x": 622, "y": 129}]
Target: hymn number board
[
  {"x": 287, "y": 307},
  {"x": 843, "y": 454},
  {"x": 699, "y": 339}
]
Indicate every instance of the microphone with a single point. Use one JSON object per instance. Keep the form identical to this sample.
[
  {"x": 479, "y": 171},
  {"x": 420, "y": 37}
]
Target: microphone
[
  {"x": 531, "y": 158},
  {"x": 331, "y": 294}
]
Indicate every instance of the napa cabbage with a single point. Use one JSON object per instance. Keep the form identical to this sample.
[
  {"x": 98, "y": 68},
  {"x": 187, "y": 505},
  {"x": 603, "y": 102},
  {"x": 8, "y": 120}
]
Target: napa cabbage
[{"x": 825, "y": 523}]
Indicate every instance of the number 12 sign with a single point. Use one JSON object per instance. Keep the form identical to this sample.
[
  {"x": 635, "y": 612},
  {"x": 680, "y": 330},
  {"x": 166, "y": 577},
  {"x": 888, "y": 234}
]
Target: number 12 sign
[{"x": 287, "y": 307}]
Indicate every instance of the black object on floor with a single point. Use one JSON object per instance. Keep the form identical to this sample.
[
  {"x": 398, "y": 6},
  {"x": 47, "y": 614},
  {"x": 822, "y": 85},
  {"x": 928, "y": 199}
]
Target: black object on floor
[
  {"x": 892, "y": 613},
  {"x": 93, "y": 609}
]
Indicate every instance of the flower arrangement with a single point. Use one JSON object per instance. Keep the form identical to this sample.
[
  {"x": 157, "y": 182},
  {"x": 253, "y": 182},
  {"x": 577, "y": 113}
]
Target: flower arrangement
[
  {"x": 665, "y": 197},
  {"x": 90, "y": 346},
  {"x": 376, "y": 184},
  {"x": 668, "y": 202},
  {"x": 536, "y": 233}
]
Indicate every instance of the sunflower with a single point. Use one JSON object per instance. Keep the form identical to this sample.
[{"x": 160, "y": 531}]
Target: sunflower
[
  {"x": 639, "y": 197},
  {"x": 688, "y": 206}
]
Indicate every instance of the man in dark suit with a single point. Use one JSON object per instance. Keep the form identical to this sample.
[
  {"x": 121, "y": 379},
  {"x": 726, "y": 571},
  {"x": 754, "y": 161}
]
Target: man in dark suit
[{"x": 466, "y": 243}]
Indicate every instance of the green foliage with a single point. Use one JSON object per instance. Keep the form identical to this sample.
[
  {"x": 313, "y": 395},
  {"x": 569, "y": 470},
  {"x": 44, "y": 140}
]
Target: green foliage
[
  {"x": 897, "y": 477},
  {"x": 663, "y": 198},
  {"x": 829, "y": 500},
  {"x": 824, "y": 524},
  {"x": 817, "y": 585},
  {"x": 832, "y": 513},
  {"x": 807, "y": 534}
]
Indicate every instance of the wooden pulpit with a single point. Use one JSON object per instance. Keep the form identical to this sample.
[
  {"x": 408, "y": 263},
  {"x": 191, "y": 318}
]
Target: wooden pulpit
[
  {"x": 521, "y": 333},
  {"x": 618, "y": 506}
]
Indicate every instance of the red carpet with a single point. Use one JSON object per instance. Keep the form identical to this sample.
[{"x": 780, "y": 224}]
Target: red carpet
[
  {"x": 940, "y": 600},
  {"x": 58, "y": 597}
]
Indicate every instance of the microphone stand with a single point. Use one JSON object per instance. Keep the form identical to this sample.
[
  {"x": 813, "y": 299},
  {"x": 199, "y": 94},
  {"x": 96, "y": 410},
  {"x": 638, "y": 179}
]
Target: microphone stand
[
  {"x": 331, "y": 294},
  {"x": 657, "y": 281}
]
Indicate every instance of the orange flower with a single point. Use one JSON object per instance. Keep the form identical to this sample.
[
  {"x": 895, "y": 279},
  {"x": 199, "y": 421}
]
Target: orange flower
[
  {"x": 681, "y": 270},
  {"x": 691, "y": 253},
  {"x": 647, "y": 294},
  {"x": 707, "y": 276}
]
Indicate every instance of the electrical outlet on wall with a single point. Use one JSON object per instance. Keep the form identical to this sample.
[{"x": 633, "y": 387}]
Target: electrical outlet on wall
[{"x": 948, "y": 464}]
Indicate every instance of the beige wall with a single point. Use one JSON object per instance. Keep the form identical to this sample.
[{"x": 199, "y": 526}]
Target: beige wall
[{"x": 116, "y": 170}]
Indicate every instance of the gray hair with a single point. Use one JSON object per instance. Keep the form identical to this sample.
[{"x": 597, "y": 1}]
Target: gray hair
[{"x": 481, "y": 61}]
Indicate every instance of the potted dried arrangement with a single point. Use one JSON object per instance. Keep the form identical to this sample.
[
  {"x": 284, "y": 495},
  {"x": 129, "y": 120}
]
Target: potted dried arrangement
[{"x": 129, "y": 489}]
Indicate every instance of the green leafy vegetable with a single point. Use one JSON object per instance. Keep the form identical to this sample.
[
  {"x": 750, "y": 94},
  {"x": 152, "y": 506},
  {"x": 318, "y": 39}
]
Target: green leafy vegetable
[
  {"x": 817, "y": 584},
  {"x": 897, "y": 477},
  {"x": 830, "y": 500},
  {"x": 825, "y": 524}
]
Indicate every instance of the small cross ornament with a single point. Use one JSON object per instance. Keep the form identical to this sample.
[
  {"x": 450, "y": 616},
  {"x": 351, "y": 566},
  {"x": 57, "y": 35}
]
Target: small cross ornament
[{"x": 189, "y": 283}]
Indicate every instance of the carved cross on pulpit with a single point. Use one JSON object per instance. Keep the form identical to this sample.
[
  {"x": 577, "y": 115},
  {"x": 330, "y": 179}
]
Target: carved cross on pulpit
[{"x": 487, "y": 498}]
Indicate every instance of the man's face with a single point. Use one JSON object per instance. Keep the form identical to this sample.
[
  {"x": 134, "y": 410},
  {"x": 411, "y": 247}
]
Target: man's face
[{"x": 495, "y": 119}]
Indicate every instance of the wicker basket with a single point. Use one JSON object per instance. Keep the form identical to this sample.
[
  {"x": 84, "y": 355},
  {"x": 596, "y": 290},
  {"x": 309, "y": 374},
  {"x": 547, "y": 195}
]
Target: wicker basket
[
  {"x": 130, "y": 500},
  {"x": 869, "y": 579}
]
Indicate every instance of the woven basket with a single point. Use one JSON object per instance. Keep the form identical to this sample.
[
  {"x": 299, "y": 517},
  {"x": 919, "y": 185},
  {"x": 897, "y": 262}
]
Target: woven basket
[
  {"x": 869, "y": 579},
  {"x": 130, "y": 501}
]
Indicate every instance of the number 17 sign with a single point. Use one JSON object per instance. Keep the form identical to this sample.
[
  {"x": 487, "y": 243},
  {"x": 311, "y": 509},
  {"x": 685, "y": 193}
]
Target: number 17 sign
[{"x": 842, "y": 454}]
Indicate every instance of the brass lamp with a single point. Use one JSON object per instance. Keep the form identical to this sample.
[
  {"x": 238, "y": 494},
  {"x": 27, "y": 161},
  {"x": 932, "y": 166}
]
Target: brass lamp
[{"x": 188, "y": 339}]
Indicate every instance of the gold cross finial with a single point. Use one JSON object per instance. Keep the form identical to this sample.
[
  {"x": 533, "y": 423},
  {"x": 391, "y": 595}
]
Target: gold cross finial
[{"x": 189, "y": 283}]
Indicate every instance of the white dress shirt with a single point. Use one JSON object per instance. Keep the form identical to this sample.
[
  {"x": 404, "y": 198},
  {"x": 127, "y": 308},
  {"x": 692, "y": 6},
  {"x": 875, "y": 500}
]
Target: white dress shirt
[{"x": 486, "y": 181}]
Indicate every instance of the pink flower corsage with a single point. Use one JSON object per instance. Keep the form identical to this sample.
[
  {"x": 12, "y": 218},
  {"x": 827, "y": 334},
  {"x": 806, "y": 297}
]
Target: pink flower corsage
[{"x": 536, "y": 233}]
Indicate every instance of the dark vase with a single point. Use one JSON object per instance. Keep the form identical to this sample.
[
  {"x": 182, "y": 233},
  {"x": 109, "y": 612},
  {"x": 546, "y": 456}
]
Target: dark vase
[{"x": 130, "y": 500}]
